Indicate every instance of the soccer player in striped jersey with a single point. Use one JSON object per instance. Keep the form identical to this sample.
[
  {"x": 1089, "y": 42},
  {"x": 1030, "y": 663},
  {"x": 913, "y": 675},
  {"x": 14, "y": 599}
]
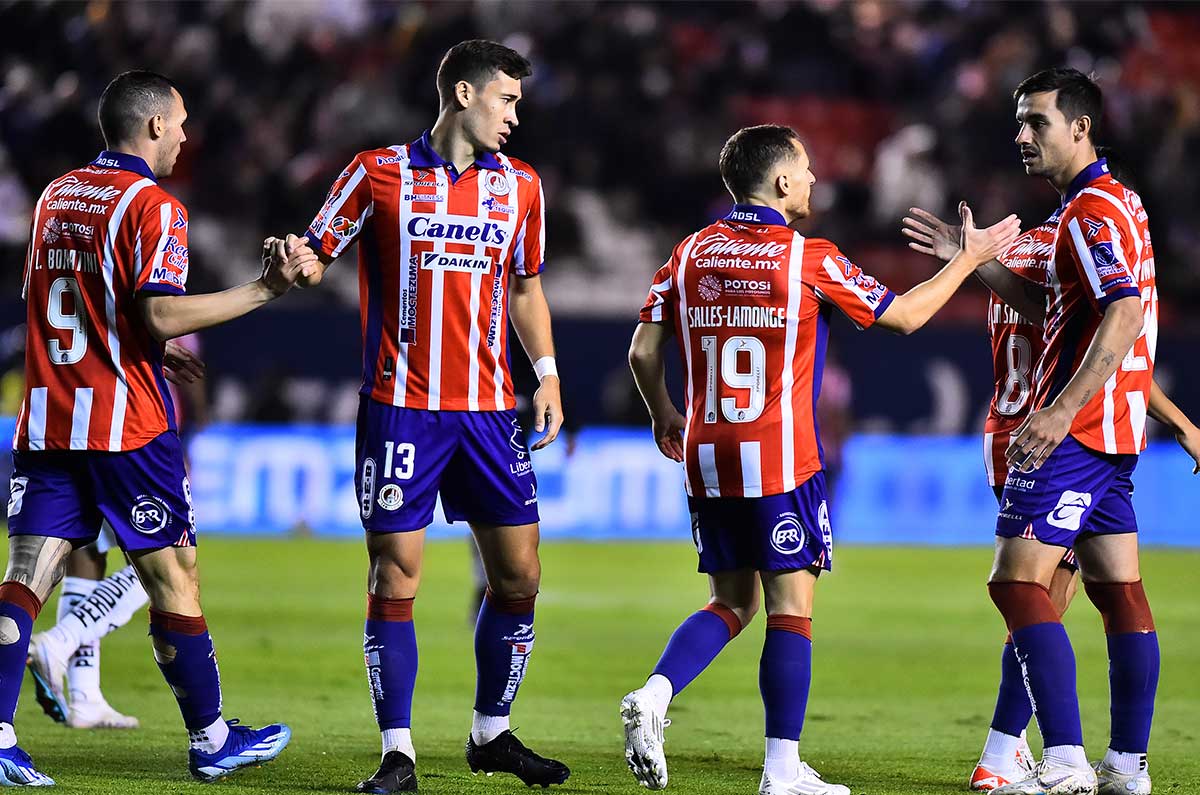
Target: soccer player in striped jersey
[
  {"x": 451, "y": 239},
  {"x": 749, "y": 302},
  {"x": 1070, "y": 464},
  {"x": 104, "y": 287}
]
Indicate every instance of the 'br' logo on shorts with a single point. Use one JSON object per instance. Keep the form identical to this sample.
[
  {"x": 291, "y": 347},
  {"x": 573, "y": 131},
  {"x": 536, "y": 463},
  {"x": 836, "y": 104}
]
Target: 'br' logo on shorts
[
  {"x": 788, "y": 536},
  {"x": 149, "y": 515},
  {"x": 1068, "y": 514}
]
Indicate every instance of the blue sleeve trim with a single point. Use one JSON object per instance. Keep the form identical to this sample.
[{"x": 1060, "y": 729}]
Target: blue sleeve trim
[
  {"x": 884, "y": 304},
  {"x": 163, "y": 289},
  {"x": 1124, "y": 292},
  {"x": 316, "y": 244},
  {"x": 534, "y": 271}
]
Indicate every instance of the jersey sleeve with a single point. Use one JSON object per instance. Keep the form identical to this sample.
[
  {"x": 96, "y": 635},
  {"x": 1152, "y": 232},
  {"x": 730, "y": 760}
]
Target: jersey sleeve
[
  {"x": 1101, "y": 251},
  {"x": 840, "y": 282},
  {"x": 163, "y": 244},
  {"x": 345, "y": 212},
  {"x": 529, "y": 250},
  {"x": 661, "y": 302}
]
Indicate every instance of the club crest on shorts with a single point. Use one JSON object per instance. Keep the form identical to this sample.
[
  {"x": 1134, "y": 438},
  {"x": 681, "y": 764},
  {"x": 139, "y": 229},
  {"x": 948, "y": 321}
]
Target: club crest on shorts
[
  {"x": 788, "y": 535},
  {"x": 1068, "y": 514},
  {"x": 391, "y": 497},
  {"x": 496, "y": 183},
  {"x": 149, "y": 515}
]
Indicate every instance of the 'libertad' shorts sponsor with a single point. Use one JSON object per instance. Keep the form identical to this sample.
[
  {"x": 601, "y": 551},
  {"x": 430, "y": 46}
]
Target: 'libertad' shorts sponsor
[
  {"x": 476, "y": 460},
  {"x": 143, "y": 494},
  {"x": 781, "y": 532},
  {"x": 1076, "y": 490}
]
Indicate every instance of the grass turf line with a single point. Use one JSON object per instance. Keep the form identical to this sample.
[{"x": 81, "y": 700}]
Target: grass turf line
[{"x": 906, "y": 649}]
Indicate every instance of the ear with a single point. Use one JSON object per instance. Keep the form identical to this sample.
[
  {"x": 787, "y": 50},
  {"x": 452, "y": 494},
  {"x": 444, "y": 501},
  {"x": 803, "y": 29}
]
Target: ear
[
  {"x": 158, "y": 126},
  {"x": 1083, "y": 126},
  {"x": 783, "y": 185},
  {"x": 463, "y": 92}
]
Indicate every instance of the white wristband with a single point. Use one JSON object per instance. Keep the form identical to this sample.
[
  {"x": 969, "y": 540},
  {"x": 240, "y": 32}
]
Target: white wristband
[{"x": 545, "y": 366}]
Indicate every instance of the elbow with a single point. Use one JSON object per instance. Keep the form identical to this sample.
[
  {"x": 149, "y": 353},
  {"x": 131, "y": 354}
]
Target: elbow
[{"x": 158, "y": 329}]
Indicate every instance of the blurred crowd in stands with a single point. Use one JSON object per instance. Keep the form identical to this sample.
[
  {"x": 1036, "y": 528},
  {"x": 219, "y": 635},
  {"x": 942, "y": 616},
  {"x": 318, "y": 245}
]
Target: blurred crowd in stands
[{"x": 900, "y": 102}]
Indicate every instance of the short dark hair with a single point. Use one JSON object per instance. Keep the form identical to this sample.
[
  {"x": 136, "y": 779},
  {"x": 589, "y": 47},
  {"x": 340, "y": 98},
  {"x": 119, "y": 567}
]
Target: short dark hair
[
  {"x": 1078, "y": 95},
  {"x": 750, "y": 154},
  {"x": 477, "y": 61},
  {"x": 129, "y": 101}
]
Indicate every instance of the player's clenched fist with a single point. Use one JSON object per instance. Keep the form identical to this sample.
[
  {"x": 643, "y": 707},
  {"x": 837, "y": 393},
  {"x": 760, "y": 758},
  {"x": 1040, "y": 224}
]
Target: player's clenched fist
[{"x": 287, "y": 261}]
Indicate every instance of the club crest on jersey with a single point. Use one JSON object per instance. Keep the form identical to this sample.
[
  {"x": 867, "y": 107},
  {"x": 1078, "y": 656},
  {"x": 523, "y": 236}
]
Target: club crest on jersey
[
  {"x": 343, "y": 228},
  {"x": 788, "y": 535},
  {"x": 149, "y": 515},
  {"x": 496, "y": 183},
  {"x": 391, "y": 497},
  {"x": 1068, "y": 514}
]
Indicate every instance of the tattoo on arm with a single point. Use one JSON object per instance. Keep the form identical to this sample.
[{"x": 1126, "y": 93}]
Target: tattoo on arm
[
  {"x": 37, "y": 562},
  {"x": 1105, "y": 361},
  {"x": 1083, "y": 401}
]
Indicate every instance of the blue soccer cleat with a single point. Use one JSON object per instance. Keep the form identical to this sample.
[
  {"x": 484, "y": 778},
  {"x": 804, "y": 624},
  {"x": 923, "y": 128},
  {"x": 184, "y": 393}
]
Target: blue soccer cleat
[
  {"x": 17, "y": 770},
  {"x": 245, "y": 747}
]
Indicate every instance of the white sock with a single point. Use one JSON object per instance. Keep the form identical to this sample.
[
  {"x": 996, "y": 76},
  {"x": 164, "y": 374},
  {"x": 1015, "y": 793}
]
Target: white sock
[
  {"x": 999, "y": 751},
  {"x": 660, "y": 690},
  {"x": 783, "y": 759},
  {"x": 398, "y": 740},
  {"x": 211, "y": 737},
  {"x": 485, "y": 728},
  {"x": 1125, "y": 763},
  {"x": 83, "y": 668},
  {"x": 1066, "y": 756},
  {"x": 8, "y": 735}
]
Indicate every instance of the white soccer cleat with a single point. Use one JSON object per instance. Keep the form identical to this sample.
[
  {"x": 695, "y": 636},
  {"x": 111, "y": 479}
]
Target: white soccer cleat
[
  {"x": 644, "y": 726},
  {"x": 986, "y": 779},
  {"x": 1025, "y": 761},
  {"x": 1053, "y": 780},
  {"x": 48, "y": 664},
  {"x": 1111, "y": 782},
  {"x": 809, "y": 782},
  {"x": 96, "y": 713}
]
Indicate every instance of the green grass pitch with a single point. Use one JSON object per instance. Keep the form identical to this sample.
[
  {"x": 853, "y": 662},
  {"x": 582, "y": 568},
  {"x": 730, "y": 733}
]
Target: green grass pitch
[{"x": 907, "y": 652}]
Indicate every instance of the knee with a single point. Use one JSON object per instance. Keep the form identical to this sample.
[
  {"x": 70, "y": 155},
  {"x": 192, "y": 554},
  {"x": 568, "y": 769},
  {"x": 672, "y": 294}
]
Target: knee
[
  {"x": 735, "y": 616},
  {"x": 393, "y": 578},
  {"x": 1022, "y": 604},
  {"x": 1123, "y": 606},
  {"x": 517, "y": 585}
]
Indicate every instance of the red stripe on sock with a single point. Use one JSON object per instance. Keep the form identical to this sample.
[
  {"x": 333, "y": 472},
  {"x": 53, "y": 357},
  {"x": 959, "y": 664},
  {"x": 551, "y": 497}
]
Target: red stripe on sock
[
  {"x": 797, "y": 624},
  {"x": 1122, "y": 605},
  {"x": 1023, "y": 604},
  {"x": 18, "y": 594},
  {"x": 728, "y": 616},
  {"x": 382, "y": 609},
  {"x": 512, "y": 607},
  {"x": 174, "y": 622}
]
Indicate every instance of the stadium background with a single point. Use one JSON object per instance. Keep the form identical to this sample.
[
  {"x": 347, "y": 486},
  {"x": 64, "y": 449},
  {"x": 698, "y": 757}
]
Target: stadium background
[{"x": 900, "y": 103}]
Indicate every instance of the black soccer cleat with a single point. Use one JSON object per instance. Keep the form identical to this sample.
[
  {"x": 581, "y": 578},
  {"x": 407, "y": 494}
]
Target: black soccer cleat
[
  {"x": 507, "y": 754},
  {"x": 396, "y": 773}
]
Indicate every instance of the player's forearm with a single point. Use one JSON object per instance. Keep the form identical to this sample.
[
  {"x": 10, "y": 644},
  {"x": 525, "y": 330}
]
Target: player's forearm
[
  {"x": 530, "y": 316},
  {"x": 1023, "y": 295},
  {"x": 1164, "y": 410},
  {"x": 913, "y": 309},
  {"x": 649, "y": 368},
  {"x": 1118, "y": 330},
  {"x": 170, "y": 316}
]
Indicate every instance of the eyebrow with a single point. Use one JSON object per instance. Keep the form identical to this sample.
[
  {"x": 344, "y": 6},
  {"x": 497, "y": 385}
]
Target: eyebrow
[{"x": 1033, "y": 117}]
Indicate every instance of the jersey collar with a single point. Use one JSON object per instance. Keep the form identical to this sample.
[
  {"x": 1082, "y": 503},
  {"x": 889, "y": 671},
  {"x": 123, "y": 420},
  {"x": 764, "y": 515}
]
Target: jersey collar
[
  {"x": 1085, "y": 178},
  {"x": 755, "y": 214},
  {"x": 125, "y": 162},
  {"x": 422, "y": 155}
]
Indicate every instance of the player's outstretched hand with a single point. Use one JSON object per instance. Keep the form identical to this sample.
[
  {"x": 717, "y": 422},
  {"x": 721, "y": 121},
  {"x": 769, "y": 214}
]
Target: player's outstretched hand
[
  {"x": 285, "y": 261},
  {"x": 668, "y": 433},
  {"x": 931, "y": 235},
  {"x": 985, "y": 245},
  {"x": 181, "y": 366},
  {"x": 1038, "y": 437},
  {"x": 547, "y": 411},
  {"x": 1189, "y": 440}
]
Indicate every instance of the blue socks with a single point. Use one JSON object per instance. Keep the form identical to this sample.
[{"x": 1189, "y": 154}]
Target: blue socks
[
  {"x": 784, "y": 675},
  {"x": 1013, "y": 709},
  {"x": 390, "y": 649},
  {"x": 1133, "y": 661},
  {"x": 19, "y": 607},
  {"x": 503, "y": 642},
  {"x": 184, "y": 652},
  {"x": 696, "y": 643}
]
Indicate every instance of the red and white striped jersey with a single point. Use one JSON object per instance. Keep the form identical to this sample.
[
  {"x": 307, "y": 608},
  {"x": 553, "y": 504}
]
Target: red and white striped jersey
[
  {"x": 1017, "y": 344},
  {"x": 1102, "y": 253},
  {"x": 750, "y": 301},
  {"x": 102, "y": 234},
  {"x": 436, "y": 249}
]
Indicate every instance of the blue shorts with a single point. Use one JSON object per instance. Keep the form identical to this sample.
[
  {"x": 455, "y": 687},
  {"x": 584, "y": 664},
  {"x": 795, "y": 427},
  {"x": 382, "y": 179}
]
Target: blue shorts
[
  {"x": 781, "y": 532},
  {"x": 1076, "y": 491},
  {"x": 144, "y": 494},
  {"x": 476, "y": 460}
]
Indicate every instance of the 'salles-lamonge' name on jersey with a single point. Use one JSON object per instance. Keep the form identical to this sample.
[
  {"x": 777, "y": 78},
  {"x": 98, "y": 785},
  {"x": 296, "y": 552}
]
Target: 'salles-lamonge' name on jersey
[
  {"x": 737, "y": 316},
  {"x": 720, "y": 250}
]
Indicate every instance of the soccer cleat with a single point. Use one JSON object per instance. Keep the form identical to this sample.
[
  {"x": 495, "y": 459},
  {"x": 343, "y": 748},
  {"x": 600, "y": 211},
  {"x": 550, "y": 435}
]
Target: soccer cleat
[
  {"x": 984, "y": 779},
  {"x": 809, "y": 782},
  {"x": 507, "y": 754},
  {"x": 644, "y": 727},
  {"x": 95, "y": 713},
  {"x": 396, "y": 773},
  {"x": 1026, "y": 762},
  {"x": 1053, "y": 780},
  {"x": 1111, "y": 782},
  {"x": 49, "y": 668},
  {"x": 244, "y": 747},
  {"x": 17, "y": 770}
]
